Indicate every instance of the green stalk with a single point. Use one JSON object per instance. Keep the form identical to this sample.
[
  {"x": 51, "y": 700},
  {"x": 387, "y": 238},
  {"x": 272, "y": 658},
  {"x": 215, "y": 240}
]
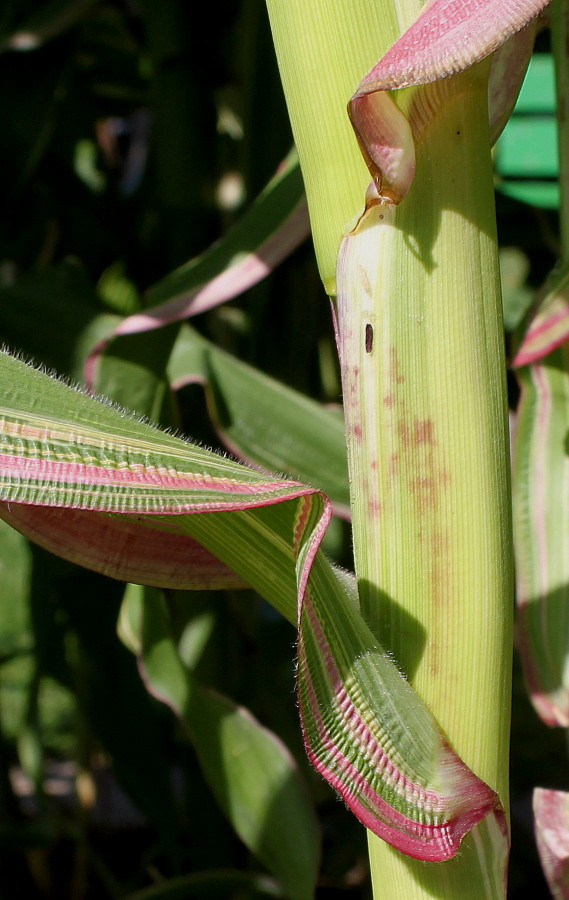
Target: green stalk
[
  {"x": 323, "y": 49},
  {"x": 425, "y": 403},
  {"x": 426, "y": 426}
]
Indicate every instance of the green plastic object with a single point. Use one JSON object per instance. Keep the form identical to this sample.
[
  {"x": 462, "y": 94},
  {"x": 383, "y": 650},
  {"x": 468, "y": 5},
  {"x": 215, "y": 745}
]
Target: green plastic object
[{"x": 526, "y": 153}]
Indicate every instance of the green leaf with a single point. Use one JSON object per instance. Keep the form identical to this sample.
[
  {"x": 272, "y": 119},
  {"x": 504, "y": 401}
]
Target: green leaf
[
  {"x": 71, "y": 466},
  {"x": 74, "y": 616},
  {"x": 269, "y": 230},
  {"x": 133, "y": 372},
  {"x": 250, "y": 772},
  {"x": 219, "y": 883},
  {"x": 541, "y": 532},
  {"x": 264, "y": 422}
]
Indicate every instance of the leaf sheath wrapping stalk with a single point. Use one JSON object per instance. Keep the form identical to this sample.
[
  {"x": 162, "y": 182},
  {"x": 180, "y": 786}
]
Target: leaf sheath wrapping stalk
[
  {"x": 67, "y": 456},
  {"x": 420, "y": 342}
]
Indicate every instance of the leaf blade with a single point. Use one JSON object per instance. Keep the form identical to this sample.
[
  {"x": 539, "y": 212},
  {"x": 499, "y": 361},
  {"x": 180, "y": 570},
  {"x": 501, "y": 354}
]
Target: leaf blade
[
  {"x": 447, "y": 37},
  {"x": 551, "y": 812},
  {"x": 263, "y": 422},
  {"x": 541, "y": 525},
  {"x": 251, "y": 773},
  {"x": 411, "y": 788},
  {"x": 266, "y": 234}
]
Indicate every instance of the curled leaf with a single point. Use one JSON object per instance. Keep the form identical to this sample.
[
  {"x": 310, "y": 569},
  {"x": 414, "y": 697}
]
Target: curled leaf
[
  {"x": 447, "y": 37},
  {"x": 68, "y": 463},
  {"x": 265, "y": 235},
  {"x": 551, "y": 811},
  {"x": 549, "y": 327},
  {"x": 541, "y": 531}
]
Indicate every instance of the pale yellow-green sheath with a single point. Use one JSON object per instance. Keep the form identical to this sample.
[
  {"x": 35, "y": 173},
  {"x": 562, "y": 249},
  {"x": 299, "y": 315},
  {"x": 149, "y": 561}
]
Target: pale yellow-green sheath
[
  {"x": 424, "y": 393},
  {"x": 426, "y": 425}
]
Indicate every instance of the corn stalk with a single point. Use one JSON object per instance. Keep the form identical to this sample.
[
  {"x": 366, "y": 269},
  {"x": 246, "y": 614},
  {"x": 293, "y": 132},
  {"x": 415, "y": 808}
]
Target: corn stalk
[{"x": 417, "y": 301}]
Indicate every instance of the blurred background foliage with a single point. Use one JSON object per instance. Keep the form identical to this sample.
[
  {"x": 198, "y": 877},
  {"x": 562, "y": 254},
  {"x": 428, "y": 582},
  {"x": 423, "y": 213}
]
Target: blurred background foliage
[{"x": 132, "y": 135}]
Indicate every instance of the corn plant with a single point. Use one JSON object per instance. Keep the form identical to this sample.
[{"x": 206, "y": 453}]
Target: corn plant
[{"x": 403, "y": 669}]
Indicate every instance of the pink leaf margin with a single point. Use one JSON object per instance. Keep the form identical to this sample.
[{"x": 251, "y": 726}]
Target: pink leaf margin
[
  {"x": 551, "y": 819},
  {"x": 447, "y": 37},
  {"x": 99, "y": 515},
  {"x": 247, "y": 271},
  {"x": 548, "y": 330},
  {"x": 125, "y": 548}
]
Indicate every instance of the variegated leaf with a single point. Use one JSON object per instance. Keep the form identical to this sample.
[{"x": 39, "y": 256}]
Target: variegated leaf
[
  {"x": 549, "y": 327},
  {"x": 541, "y": 533},
  {"x": 365, "y": 730},
  {"x": 265, "y": 235},
  {"x": 551, "y": 812}
]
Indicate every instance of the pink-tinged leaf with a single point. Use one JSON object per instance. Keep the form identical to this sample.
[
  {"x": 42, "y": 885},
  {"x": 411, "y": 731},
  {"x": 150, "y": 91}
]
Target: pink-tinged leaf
[
  {"x": 448, "y": 37},
  {"x": 251, "y": 773},
  {"x": 133, "y": 486},
  {"x": 363, "y": 789},
  {"x": 132, "y": 548},
  {"x": 264, "y": 422},
  {"x": 540, "y": 478},
  {"x": 425, "y": 819},
  {"x": 507, "y": 72},
  {"x": 386, "y": 141},
  {"x": 96, "y": 485},
  {"x": 551, "y": 812},
  {"x": 549, "y": 327},
  {"x": 267, "y": 233}
]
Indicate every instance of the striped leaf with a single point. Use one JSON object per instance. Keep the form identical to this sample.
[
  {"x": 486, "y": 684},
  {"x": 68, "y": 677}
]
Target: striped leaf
[
  {"x": 251, "y": 773},
  {"x": 541, "y": 533},
  {"x": 365, "y": 730},
  {"x": 551, "y": 813},
  {"x": 265, "y": 235},
  {"x": 549, "y": 327},
  {"x": 447, "y": 37}
]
